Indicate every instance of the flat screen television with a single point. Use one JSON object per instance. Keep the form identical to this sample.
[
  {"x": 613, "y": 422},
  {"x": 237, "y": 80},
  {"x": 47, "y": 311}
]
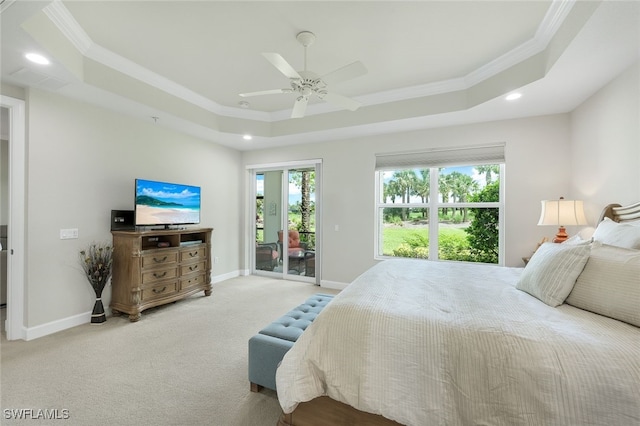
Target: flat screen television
[{"x": 166, "y": 204}]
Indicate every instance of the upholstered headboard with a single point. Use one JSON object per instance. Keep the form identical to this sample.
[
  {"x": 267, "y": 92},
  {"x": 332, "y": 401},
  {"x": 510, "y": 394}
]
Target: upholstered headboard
[{"x": 619, "y": 213}]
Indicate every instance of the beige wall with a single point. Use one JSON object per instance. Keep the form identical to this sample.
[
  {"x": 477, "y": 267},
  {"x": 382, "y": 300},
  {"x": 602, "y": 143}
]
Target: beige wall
[
  {"x": 82, "y": 162},
  {"x": 536, "y": 150},
  {"x": 605, "y": 144},
  {"x": 591, "y": 154}
]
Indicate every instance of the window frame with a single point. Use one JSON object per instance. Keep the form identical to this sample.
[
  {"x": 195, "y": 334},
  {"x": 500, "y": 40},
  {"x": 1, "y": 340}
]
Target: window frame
[{"x": 434, "y": 205}]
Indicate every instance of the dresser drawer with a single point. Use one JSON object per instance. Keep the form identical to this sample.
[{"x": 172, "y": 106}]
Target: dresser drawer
[
  {"x": 160, "y": 290},
  {"x": 159, "y": 258},
  {"x": 193, "y": 254},
  {"x": 159, "y": 274},
  {"x": 192, "y": 268},
  {"x": 192, "y": 281}
]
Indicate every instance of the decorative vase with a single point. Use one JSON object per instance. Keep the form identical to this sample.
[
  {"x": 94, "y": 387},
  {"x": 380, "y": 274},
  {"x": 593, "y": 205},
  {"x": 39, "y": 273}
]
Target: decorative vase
[
  {"x": 98, "y": 316},
  {"x": 96, "y": 262}
]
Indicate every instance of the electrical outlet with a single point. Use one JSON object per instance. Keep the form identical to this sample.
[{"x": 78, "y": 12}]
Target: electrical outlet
[{"x": 69, "y": 234}]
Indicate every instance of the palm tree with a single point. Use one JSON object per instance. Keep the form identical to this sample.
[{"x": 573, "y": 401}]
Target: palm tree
[
  {"x": 405, "y": 180},
  {"x": 444, "y": 186},
  {"x": 422, "y": 188},
  {"x": 306, "y": 181},
  {"x": 390, "y": 191},
  {"x": 462, "y": 186},
  {"x": 488, "y": 170},
  {"x": 305, "y": 210}
]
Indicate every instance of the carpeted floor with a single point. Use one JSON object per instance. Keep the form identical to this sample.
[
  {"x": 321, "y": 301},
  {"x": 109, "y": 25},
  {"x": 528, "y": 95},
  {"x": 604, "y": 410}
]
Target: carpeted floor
[{"x": 182, "y": 364}]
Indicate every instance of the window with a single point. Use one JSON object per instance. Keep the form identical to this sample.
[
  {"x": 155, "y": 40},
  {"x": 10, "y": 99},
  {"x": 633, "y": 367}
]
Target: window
[{"x": 445, "y": 205}]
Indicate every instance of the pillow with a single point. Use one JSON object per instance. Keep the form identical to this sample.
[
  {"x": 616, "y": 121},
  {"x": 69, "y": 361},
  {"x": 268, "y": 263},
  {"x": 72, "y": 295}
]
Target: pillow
[
  {"x": 618, "y": 234},
  {"x": 575, "y": 239},
  {"x": 609, "y": 285},
  {"x": 552, "y": 271}
]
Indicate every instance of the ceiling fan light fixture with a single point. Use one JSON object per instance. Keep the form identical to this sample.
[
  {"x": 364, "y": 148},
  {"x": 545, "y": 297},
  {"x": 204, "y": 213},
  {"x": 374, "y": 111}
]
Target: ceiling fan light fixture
[{"x": 306, "y": 83}]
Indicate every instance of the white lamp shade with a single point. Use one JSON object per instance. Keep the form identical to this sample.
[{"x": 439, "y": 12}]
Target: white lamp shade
[{"x": 562, "y": 213}]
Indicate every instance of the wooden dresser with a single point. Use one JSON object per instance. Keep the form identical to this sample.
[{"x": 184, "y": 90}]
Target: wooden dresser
[{"x": 151, "y": 268}]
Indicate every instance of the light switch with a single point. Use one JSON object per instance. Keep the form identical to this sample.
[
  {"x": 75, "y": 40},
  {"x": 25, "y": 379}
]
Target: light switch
[{"x": 68, "y": 234}]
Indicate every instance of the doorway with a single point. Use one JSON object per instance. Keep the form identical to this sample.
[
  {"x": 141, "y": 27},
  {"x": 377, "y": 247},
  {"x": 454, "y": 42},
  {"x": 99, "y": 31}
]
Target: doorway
[
  {"x": 13, "y": 197},
  {"x": 285, "y": 221}
]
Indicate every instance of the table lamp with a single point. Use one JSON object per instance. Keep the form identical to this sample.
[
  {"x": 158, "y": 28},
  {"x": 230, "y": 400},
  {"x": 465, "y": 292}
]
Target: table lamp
[{"x": 562, "y": 213}]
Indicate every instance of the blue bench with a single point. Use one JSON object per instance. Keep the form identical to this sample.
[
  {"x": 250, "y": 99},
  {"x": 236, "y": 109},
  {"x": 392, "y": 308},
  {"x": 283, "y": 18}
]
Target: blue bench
[{"x": 267, "y": 348}]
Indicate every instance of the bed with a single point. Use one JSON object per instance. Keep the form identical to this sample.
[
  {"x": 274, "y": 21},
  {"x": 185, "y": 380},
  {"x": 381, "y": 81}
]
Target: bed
[{"x": 438, "y": 343}]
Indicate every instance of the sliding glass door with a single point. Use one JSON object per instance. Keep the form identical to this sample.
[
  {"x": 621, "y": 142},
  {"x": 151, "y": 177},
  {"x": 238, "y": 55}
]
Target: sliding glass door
[{"x": 285, "y": 223}]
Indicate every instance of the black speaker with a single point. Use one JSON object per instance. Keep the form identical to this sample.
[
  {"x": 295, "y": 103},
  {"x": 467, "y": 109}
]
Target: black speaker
[{"x": 122, "y": 220}]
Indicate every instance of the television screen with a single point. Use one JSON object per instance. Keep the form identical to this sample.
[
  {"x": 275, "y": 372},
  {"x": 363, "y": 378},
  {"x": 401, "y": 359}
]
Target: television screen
[{"x": 163, "y": 203}]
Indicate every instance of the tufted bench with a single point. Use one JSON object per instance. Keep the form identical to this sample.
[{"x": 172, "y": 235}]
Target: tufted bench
[{"x": 267, "y": 348}]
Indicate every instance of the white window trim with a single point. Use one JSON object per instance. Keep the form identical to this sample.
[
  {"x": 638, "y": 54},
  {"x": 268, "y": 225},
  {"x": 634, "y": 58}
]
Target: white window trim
[{"x": 433, "y": 207}]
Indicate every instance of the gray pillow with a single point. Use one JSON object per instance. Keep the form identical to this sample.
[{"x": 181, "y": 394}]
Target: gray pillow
[
  {"x": 609, "y": 285},
  {"x": 552, "y": 271}
]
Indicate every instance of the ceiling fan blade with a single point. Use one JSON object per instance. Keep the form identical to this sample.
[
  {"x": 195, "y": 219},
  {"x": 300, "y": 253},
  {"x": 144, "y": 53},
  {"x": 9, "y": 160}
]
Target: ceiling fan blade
[
  {"x": 282, "y": 65},
  {"x": 341, "y": 101},
  {"x": 266, "y": 92},
  {"x": 353, "y": 70},
  {"x": 299, "y": 107}
]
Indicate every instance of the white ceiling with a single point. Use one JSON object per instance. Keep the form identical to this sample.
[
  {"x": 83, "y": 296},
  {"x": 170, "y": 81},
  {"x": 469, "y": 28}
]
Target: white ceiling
[{"x": 430, "y": 63}]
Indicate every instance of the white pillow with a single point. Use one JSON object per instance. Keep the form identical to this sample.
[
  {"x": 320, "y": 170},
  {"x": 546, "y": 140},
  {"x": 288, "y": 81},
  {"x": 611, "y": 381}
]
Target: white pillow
[
  {"x": 552, "y": 271},
  {"x": 609, "y": 285},
  {"x": 575, "y": 239},
  {"x": 618, "y": 234}
]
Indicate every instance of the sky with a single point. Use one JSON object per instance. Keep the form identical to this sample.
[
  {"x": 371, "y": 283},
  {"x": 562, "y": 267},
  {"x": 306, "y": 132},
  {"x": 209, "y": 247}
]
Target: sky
[{"x": 294, "y": 192}]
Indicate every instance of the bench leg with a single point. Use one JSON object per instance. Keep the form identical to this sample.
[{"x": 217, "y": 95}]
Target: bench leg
[{"x": 255, "y": 387}]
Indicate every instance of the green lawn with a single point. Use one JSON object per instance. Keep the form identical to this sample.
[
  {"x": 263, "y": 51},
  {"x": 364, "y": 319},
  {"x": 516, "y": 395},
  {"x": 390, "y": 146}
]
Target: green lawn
[{"x": 395, "y": 236}]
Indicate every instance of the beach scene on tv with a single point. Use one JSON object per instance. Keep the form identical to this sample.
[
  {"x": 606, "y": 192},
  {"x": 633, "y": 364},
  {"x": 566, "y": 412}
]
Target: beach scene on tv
[{"x": 162, "y": 203}]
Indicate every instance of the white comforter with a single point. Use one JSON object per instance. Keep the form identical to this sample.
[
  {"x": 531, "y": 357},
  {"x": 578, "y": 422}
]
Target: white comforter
[{"x": 437, "y": 343}]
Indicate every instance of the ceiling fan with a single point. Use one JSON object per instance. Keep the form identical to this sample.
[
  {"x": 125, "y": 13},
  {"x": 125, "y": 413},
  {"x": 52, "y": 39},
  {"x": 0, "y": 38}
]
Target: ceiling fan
[{"x": 306, "y": 83}]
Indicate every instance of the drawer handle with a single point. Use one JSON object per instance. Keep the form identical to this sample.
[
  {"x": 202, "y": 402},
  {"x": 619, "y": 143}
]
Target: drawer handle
[
  {"x": 160, "y": 260},
  {"x": 193, "y": 254},
  {"x": 193, "y": 268},
  {"x": 156, "y": 291},
  {"x": 155, "y": 274}
]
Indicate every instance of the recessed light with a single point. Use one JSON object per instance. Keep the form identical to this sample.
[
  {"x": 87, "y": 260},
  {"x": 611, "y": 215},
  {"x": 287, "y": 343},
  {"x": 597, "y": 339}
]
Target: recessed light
[
  {"x": 37, "y": 58},
  {"x": 513, "y": 96},
  {"x": 247, "y": 137}
]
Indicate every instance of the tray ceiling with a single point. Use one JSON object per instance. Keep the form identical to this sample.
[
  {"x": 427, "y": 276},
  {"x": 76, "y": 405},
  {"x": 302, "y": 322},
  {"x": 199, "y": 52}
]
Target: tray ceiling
[{"x": 429, "y": 63}]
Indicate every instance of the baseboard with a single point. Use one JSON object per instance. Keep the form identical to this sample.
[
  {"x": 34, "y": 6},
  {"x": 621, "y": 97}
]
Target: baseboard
[
  {"x": 31, "y": 333},
  {"x": 336, "y": 285},
  {"x": 58, "y": 325},
  {"x": 224, "y": 277}
]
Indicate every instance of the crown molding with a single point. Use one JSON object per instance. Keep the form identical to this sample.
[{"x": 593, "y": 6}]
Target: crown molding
[
  {"x": 68, "y": 26},
  {"x": 65, "y": 22},
  {"x": 553, "y": 19},
  {"x": 4, "y": 4}
]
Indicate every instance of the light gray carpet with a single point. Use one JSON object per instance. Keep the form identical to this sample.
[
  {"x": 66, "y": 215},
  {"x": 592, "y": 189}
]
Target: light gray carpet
[{"x": 181, "y": 364}]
